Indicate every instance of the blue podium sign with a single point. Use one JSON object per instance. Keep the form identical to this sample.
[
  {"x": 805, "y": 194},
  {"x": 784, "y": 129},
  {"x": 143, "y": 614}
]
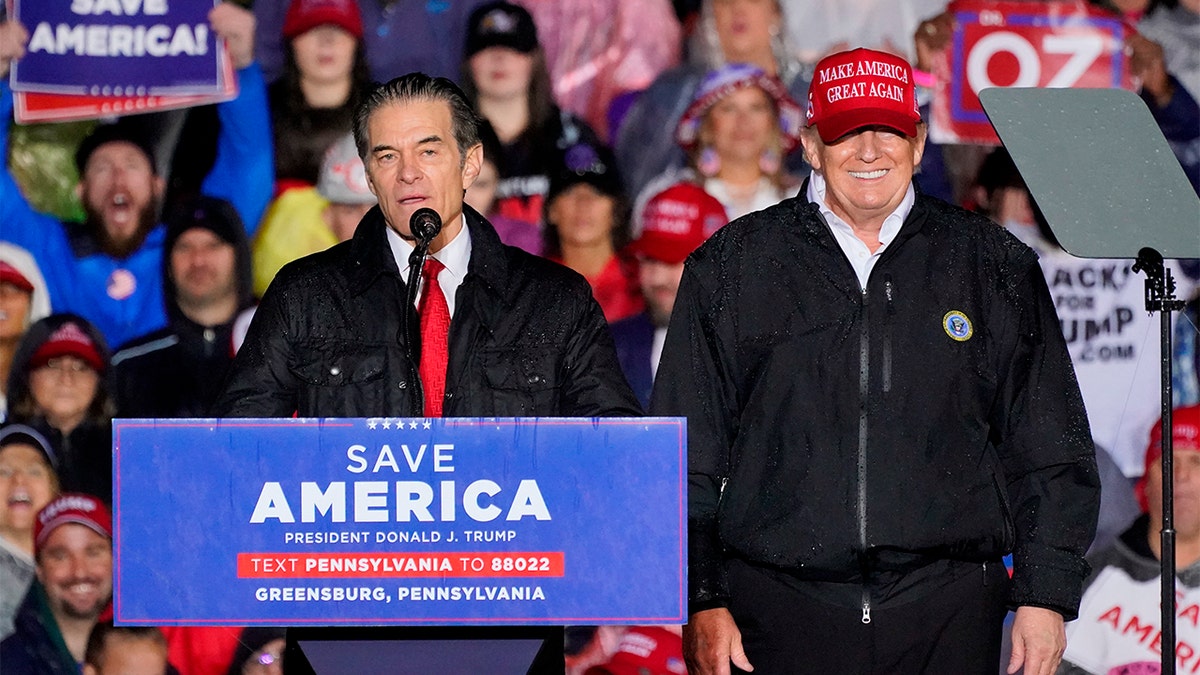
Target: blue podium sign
[{"x": 399, "y": 521}]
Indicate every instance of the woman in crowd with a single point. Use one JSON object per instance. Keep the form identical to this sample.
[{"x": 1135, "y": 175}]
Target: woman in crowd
[
  {"x": 736, "y": 132},
  {"x": 323, "y": 81},
  {"x": 587, "y": 224},
  {"x": 57, "y": 387},
  {"x": 728, "y": 31},
  {"x": 27, "y": 483},
  {"x": 504, "y": 75},
  {"x": 23, "y": 300}
]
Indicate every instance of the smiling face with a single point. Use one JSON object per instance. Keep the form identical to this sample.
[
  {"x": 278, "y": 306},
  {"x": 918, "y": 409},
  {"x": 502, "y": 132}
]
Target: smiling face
[
  {"x": 413, "y": 162},
  {"x": 74, "y": 565},
  {"x": 867, "y": 172},
  {"x": 27, "y": 483}
]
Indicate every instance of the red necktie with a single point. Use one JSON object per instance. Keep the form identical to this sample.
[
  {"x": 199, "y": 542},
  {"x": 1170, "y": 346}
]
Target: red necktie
[{"x": 435, "y": 339}]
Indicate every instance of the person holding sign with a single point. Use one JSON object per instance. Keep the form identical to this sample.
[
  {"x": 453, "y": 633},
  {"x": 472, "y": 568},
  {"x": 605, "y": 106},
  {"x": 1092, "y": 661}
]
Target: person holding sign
[
  {"x": 880, "y": 406},
  {"x": 109, "y": 268},
  {"x": 518, "y": 335},
  {"x": 1120, "y": 612}
]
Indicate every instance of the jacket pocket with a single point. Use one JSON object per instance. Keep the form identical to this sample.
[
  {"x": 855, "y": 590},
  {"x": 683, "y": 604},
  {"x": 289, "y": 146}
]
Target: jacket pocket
[
  {"x": 523, "y": 381},
  {"x": 336, "y": 363},
  {"x": 1006, "y": 514}
]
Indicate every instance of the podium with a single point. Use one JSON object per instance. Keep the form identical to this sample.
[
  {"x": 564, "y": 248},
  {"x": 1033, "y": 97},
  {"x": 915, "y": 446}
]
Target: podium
[{"x": 425, "y": 544}]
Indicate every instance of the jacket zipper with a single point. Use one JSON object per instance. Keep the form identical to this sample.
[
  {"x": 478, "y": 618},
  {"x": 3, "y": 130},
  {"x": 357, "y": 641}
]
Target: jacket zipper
[
  {"x": 889, "y": 292},
  {"x": 863, "y": 387}
]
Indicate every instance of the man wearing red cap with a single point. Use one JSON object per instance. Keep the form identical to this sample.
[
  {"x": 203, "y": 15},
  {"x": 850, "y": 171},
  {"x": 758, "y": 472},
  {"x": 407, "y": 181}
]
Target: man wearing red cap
[
  {"x": 73, "y": 549},
  {"x": 1118, "y": 625},
  {"x": 674, "y": 223},
  {"x": 880, "y": 406}
]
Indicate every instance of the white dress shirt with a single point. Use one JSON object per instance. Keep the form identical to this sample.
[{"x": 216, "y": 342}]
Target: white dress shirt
[{"x": 861, "y": 258}]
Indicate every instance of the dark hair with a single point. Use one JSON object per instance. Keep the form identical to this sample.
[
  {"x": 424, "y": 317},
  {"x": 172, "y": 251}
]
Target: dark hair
[
  {"x": 620, "y": 232},
  {"x": 542, "y": 107},
  {"x": 21, "y": 406},
  {"x": 98, "y": 639},
  {"x": 420, "y": 87}
]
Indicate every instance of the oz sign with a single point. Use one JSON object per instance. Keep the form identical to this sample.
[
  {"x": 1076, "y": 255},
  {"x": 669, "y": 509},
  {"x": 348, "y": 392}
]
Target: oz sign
[{"x": 1015, "y": 44}]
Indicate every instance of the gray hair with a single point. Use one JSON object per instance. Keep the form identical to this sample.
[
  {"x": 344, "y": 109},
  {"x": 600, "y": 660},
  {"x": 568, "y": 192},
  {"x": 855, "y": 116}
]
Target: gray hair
[{"x": 464, "y": 120}]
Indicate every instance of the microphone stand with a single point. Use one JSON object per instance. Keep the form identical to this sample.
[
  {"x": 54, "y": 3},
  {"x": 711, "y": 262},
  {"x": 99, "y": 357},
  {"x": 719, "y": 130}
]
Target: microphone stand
[
  {"x": 412, "y": 335},
  {"x": 1160, "y": 297}
]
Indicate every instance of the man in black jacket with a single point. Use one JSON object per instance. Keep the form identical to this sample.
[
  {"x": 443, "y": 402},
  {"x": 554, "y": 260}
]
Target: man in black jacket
[
  {"x": 178, "y": 371},
  {"x": 880, "y": 406},
  {"x": 525, "y": 337}
]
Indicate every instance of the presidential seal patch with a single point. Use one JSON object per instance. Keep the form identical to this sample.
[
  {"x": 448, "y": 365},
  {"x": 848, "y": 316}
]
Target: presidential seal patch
[{"x": 957, "y": 326}]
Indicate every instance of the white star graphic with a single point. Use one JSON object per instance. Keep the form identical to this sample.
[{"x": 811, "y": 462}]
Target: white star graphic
[
  {"x": 387, "y": 424},
  {"x": 412, "y": 424},
  {"x": 428, "y": 424},
  {"x": 371, "y": 424}
]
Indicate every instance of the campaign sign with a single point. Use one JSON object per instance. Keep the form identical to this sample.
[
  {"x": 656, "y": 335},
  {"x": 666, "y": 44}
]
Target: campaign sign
[
  {"x": 1018, "y": 44},
  {"x": 399, "y": 521},
  {"x": 30, "y": 107},
  {"x": 117, "y": 48}
]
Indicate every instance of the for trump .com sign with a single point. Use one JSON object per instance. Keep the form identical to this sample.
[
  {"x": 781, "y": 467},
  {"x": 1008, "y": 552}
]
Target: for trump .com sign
[{"x": 399, "y": 521}]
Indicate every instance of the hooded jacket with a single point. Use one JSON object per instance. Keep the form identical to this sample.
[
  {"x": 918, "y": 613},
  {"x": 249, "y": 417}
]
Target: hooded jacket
[
  {"x": 857, "y": 435},
  {"x": 85, "y": 454},
  {"x": 527, "y": 338},
  {"x": 178, "y": 371}
]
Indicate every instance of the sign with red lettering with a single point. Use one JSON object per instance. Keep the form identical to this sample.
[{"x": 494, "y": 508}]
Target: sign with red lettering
[
  {"x": 395, "y": 521},
  {"x": 1016, "y": 44},
  {"x": 1118, "y": 627}
]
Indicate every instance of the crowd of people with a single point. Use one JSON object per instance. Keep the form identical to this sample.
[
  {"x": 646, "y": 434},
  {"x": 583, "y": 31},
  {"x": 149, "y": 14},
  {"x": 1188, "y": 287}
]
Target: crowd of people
[{"x": 613, "y": 139}]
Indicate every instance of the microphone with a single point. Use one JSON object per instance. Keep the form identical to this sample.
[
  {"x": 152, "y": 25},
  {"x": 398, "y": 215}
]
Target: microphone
[{"x": 424, "y": 225}]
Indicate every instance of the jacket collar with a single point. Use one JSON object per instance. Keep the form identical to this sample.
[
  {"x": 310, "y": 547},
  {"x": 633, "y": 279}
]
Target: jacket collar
[
  {"x": 815, "y": 224},
  {"x": 369, "y": 252}
]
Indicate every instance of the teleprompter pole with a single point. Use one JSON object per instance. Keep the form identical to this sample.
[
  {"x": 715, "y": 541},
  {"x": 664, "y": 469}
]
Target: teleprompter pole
[{"x": 1160, "y": 297}]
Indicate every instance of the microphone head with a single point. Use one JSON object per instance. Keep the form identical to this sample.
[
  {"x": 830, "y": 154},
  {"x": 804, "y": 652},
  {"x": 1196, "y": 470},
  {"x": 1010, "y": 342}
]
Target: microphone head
[{"x": 425, "y": 224}]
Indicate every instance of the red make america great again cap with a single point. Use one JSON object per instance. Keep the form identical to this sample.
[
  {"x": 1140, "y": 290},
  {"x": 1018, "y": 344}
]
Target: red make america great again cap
[{"x": 862, "y": 88}]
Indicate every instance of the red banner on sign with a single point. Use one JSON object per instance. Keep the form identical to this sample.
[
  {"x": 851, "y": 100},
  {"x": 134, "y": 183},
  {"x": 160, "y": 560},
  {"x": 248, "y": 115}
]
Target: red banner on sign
[
  {"x": 399, "y": 565},
  {"x": 1016, "y": 44},
  {"x": 32, "y": 107}
]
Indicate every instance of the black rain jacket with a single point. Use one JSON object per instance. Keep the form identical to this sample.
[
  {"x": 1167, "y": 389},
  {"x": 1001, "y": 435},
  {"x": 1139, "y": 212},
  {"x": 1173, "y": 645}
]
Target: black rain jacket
[
  {"x": 527, "y": 339},
  {"x": 842, "y": 435}
]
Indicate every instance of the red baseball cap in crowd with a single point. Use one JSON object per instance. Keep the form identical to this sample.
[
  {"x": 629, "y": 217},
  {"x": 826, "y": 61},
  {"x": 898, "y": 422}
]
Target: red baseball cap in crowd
[
  {"x": 11, "y": 275},
  {"x": 304, "y": 15},
  {"x": 676, "y": 221},
  {"x": 72, "y": 507},
  {"x": 69, "y": 339},
  {"x": 645, "y": 650},
  {"x": 1185, "y": 436},
  {"x": 861, "y": 88}
]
